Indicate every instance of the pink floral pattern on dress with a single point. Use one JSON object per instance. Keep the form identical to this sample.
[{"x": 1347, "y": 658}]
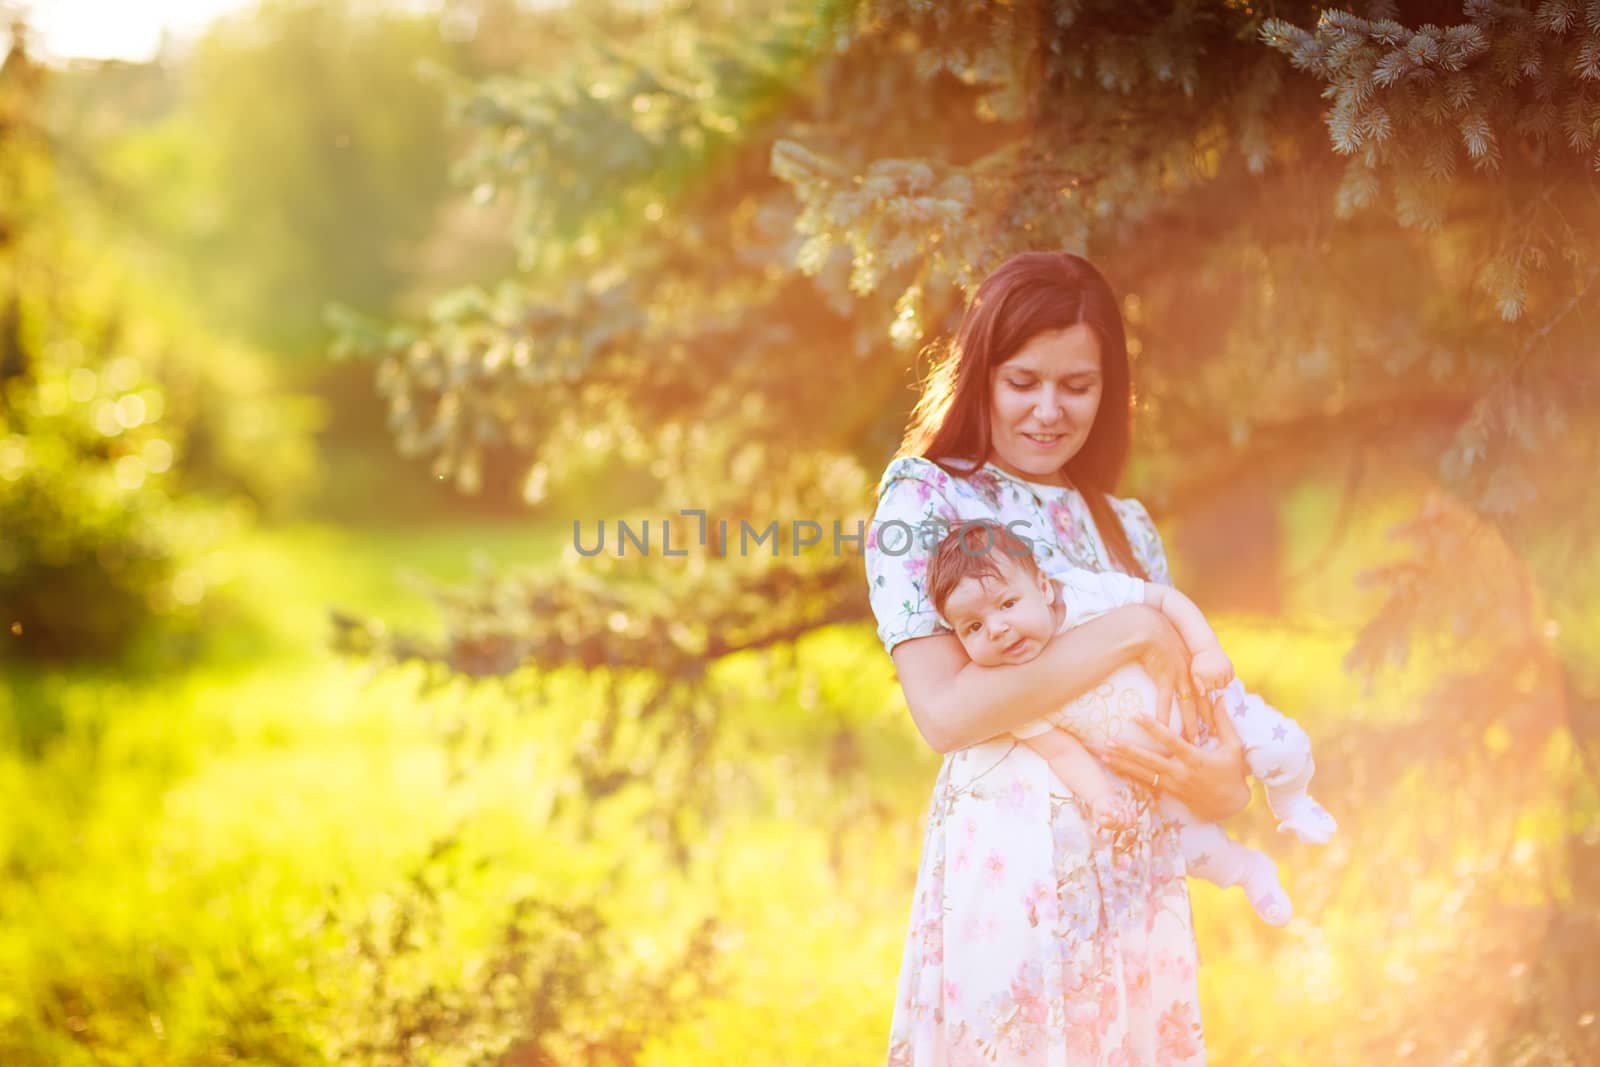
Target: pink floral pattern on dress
[
  {"x": 1031, "y": 941},
  {"x": 1063, "y": 522}
]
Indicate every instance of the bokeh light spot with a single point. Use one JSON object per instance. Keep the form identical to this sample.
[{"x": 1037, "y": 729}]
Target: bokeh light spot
[
  {"x": 130, "y": 472},
  {"x": 105, "y": 419},
  {"x": 188, "y": 587},
  {"x": 81, "y": 385},
  {"x": 130, "y": 411},
  {"x": 157, "y": 456}
]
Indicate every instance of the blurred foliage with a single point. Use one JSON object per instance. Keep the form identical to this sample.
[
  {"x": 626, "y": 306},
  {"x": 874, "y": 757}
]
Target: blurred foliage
[
  {"x": 697, "y": 202},
  {"x": 271, "y": 211},
  {"x": 260, "y": 217},
  {"x": 647, "y": 810},
  {"x": 130, "y": 438},
  {"x": 1342, "y": 239}
]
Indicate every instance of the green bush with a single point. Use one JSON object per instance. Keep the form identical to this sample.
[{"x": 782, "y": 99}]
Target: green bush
[
  {"x": 129, "y": 437},
  {"x": 129, "y": 443}
]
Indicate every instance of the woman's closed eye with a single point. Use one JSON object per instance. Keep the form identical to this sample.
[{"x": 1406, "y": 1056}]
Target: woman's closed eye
[{"x": 1076, "y": 388}]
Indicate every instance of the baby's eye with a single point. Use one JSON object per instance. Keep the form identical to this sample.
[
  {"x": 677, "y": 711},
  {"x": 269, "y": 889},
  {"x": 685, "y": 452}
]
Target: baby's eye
[{"x": 1010, "y": 602}]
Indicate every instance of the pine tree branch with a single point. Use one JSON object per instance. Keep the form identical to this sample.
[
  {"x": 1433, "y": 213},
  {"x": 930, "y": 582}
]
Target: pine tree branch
[{"x": 1286, "y": 445}]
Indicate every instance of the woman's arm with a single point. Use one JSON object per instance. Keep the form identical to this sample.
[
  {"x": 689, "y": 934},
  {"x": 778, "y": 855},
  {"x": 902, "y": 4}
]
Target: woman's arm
[{"x": 956, "y": 703}]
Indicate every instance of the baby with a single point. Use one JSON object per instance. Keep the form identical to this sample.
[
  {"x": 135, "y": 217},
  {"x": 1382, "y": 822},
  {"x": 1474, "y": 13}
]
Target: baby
[{"x": 985, "y": 583}]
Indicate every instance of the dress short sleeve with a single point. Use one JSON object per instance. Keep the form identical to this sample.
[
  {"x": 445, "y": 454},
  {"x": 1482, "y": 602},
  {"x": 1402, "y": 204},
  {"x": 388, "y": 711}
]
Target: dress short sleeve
[
  {"x": 913, "y": 505},
  {"x": 1144, "y": 539}
]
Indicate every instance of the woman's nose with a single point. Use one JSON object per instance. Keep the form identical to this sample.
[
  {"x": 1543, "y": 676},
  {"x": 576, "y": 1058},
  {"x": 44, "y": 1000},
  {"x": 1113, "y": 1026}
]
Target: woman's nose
[{"x": 1047, "y": 408}]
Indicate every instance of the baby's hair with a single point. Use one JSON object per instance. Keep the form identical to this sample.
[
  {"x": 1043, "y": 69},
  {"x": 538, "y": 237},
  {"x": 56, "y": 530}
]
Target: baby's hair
[{"x": 970, "y": 550}]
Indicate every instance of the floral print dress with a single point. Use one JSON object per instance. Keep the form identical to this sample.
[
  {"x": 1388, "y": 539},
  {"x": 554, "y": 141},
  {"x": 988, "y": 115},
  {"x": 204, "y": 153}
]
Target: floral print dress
[{"x": 1030, "y": 942}]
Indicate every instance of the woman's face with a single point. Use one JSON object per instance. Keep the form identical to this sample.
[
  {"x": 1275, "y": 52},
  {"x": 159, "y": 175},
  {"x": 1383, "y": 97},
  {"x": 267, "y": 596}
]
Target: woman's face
[{"x": 1043, "y": 402}]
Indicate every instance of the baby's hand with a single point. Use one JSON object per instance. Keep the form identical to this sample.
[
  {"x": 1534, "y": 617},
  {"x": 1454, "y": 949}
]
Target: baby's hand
[{"x": 1211, "y": 668}]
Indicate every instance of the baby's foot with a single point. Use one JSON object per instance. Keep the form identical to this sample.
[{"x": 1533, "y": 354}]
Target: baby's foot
[
  {"x": 1112, "y": 812},
  {"x": 1265, "y": 892},
  {"x": 1307, "y": 820}
]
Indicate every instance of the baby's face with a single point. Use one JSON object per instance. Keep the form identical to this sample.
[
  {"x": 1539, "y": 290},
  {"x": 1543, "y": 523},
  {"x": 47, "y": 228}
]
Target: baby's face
[{"x": 1005, "y": 620}]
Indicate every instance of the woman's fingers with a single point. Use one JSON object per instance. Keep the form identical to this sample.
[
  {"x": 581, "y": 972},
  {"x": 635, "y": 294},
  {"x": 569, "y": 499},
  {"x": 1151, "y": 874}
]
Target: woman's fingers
[
  {"x": 1176, "y": 689},
  {"x": 1168, "y": 757},
  {"x": 1222, "y": 727},
  {"x": 1189, "y": 710},
  {"x": 1137, "y": 764},
  {"x": 1215, "y": 787},
  {"x": 1187, "y": 706},
  {"x": 1210, "y": 708},
  {"x": 1166, "y": 690},
  {"x": 1210, "y": 780},
  {"x": 1174, "y": 747},
  {"x": 1167, "y": 663}
]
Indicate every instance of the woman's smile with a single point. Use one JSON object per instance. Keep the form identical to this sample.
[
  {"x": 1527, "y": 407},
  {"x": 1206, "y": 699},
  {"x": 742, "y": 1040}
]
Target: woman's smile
[{"x": 1043, "y": 401}]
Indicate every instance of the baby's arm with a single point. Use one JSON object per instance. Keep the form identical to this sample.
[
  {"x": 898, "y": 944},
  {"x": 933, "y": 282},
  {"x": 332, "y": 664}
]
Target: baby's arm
[
  {"x": 1210, "y": 665},
  {"x": 1082, "y": 774}
]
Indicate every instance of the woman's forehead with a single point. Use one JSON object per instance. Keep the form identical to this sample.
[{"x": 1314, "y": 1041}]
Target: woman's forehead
[{"x": 1074, "y": 350}]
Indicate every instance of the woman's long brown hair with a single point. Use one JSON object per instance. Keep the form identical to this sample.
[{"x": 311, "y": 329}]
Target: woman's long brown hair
[{"x": 1029, "y": 294}]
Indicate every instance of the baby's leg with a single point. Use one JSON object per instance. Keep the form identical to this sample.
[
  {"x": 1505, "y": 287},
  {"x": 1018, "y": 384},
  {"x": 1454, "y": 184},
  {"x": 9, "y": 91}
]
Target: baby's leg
[
  {"x": 1109, "y": 807},
  {"x": 1278, "y": 753},
  {"x": 1211, "y": 854}
]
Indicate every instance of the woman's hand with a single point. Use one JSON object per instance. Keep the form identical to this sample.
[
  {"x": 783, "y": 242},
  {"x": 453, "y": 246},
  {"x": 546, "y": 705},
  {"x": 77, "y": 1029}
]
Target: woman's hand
[
  {"x": 1165, "y": 658},
  {"x": 1210, "y": 780}
]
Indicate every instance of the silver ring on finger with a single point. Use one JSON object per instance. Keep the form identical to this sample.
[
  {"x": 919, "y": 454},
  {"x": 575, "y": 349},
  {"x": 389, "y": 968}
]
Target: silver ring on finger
[{"x": 1155, "y": 783}]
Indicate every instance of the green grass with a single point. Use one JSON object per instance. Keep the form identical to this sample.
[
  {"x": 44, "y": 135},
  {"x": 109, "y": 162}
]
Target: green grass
[
  {"x": 231, "y": 804},
  {"x": 180, "y": 826},
  {"x": 189, "y": 856},
  {"x": 294, "y": 574}
]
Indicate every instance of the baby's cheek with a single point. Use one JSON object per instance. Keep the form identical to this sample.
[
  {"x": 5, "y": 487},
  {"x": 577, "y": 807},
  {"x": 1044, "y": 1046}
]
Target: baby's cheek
[{"x": 975, "y": 654}]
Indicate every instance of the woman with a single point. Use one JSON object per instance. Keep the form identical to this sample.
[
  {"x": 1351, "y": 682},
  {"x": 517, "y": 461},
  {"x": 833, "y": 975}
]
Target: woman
[{"x": 1031, "y": 941}]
